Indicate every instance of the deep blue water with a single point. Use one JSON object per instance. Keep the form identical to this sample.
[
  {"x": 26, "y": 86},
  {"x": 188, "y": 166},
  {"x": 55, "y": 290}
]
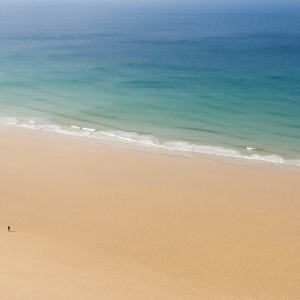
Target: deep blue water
[{"x": 197, "y": 80}]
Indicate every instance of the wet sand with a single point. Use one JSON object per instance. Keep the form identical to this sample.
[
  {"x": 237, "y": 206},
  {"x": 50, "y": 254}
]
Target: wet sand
[{"x": 97, "y": 222}]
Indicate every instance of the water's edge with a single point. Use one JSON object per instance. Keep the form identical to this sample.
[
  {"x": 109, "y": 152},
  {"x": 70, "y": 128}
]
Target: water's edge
[{"x": 149, "y": 143}]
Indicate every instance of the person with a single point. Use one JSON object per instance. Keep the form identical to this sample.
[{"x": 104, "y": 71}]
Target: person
[{"x": 8, "y": 228}]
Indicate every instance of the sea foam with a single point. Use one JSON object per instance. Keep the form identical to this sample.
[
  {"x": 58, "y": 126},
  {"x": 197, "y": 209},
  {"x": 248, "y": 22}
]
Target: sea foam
[{"x": 146, "y": 141}]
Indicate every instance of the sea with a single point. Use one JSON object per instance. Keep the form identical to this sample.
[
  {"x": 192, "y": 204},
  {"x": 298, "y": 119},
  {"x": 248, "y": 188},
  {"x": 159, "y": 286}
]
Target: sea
[{"x": 221, "y": 82}]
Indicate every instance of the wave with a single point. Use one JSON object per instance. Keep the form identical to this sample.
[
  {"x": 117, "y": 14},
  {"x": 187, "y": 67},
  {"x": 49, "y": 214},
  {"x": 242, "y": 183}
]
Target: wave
[{"x": 147, "y": 141}]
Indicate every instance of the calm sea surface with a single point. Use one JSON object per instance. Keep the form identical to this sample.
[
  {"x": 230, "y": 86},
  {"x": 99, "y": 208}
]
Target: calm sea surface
[{"x": 191, "y": 80}]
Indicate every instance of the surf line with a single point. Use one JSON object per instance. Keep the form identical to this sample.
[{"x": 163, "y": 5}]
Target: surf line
[{"x": 89, "y": 129}]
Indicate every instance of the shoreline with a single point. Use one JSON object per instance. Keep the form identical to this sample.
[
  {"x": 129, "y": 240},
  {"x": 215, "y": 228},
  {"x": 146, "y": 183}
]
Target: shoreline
[
  {"x": 101, "y": 137},
  {"x": 108, "y": 223}
]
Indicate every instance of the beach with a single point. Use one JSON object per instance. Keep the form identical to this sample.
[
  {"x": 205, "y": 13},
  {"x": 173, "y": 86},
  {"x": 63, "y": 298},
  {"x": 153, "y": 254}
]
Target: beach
[
  {"x": 149, "y": 150},
  {"x": 97, "y": 222}
]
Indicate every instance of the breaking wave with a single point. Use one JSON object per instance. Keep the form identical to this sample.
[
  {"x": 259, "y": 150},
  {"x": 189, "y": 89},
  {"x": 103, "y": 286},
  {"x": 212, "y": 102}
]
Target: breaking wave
[{"x": 136, "y": 139}]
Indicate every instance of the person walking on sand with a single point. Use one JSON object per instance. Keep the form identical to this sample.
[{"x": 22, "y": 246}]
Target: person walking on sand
[{"x": 8, "y": 228}]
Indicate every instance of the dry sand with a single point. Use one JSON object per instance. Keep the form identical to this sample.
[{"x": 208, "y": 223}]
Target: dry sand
[{"x": 93, "y": 222}]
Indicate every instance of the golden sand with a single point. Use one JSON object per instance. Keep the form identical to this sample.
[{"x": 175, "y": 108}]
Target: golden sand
[{"x": 96, "y": 222}]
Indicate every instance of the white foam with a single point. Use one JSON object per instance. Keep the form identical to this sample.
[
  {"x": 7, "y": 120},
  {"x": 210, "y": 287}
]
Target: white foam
[
  {"x": 89, "y": 129},
  {"x": 66, "y": 132},
  {"x": 27, "y": 126},
  {"x": 185, "y": 146},
  {"x": 295, "y": 162},
  {"x": 267, "y": 158},
  {"x": 108, "y": 134},
  {"x": 11, "y": 121},
  {"x": 126, "y": 137}
]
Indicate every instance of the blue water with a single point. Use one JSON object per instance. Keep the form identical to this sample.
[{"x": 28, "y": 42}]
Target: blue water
[{"x": 224, "y": 82}]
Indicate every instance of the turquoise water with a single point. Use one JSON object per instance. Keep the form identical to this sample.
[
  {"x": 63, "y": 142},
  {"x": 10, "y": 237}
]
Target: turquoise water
[{"x": 222, "y": 82}]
